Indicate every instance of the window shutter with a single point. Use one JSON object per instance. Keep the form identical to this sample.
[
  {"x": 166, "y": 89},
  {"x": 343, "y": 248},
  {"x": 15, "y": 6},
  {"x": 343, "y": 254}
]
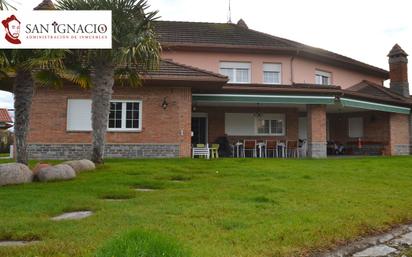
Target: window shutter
[
  {"x": 79, "y": 115},
  {"x": 355, "y": 127},
  {"x": 274, "y": 67}
]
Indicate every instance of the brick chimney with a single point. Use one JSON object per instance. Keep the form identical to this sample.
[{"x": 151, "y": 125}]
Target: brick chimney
[
  {"x": 45, "y": 5},
  {"x": 398, "y": 70},
  {"x": 242, "y": 23}
]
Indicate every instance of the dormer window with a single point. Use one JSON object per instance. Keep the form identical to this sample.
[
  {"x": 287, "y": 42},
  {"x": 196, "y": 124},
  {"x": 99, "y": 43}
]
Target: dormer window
[
  {"x": 237, "y": 72},
  {"x": 323, "y": 78}
]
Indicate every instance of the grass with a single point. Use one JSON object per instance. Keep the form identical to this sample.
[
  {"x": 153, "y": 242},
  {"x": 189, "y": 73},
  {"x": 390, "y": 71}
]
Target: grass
[
  {"x": 142, "y": 244},
  {"x": 4, "y": 155},
  {"x": 225, "y": 207}
]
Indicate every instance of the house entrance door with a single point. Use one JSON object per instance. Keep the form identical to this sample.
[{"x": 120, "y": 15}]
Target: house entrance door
[{"x": 199, "y": 129}]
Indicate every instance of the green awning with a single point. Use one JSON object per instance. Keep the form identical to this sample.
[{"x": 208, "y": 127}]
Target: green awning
[
  {"x": 374, "y": 106},
  {"x": 264, "y": 99}
]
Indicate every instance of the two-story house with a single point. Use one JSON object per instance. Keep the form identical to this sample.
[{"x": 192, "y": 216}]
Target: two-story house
[{"x": 226, "y": 80}]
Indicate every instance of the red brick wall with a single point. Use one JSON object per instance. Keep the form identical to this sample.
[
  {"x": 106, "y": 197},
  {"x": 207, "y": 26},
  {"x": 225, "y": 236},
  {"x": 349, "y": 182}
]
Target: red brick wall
[
  {"x": 398, "y": 72},
  {"x": 316, "y": 123},
  {"x": 375, "y": 126},
  {"x": 170, "y": 126},
  {"x": 216, "y": 122},
  {"x": 398, "y": 132}
]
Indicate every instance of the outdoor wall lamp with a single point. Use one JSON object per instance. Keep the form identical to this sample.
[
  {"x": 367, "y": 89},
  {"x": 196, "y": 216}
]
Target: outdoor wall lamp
[{"x": 165, "y": 104}]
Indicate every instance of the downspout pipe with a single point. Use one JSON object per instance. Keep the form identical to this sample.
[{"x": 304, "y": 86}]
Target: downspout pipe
[{"x": 292, "y": 59}]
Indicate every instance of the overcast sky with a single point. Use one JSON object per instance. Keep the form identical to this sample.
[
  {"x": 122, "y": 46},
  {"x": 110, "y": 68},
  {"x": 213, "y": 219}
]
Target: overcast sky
[{"x": 362, "y": 29}]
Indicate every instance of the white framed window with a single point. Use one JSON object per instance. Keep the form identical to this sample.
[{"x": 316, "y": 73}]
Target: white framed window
[
  {"x": 355, "y": 127},
  {"x": 237, "y": 72},
  {"x": 270, "y": 124},
  {"x": 323, "y": 77},
  {"x": 247, "y": 124},
  {"x": 272, "y": 73},
  {"x": 125, "y": 115}
]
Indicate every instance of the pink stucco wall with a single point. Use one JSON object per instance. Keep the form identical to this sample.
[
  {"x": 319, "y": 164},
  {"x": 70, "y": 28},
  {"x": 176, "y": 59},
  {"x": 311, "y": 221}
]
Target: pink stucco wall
[{"x": 303, "y": 70}]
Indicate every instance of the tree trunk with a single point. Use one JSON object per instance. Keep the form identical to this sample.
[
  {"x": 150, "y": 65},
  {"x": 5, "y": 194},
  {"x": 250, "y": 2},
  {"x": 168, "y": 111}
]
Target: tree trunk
[
  {"x": 102, "y": 81},
  {"x": 23, "y": 96}
]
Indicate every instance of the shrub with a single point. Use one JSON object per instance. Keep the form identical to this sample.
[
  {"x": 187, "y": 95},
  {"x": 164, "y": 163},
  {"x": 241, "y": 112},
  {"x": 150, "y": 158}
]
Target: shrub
[{"x": 141, "y": 244}]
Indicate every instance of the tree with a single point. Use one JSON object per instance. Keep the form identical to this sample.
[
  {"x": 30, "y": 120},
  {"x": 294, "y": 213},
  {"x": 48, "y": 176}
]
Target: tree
[
  {"x": 5, "y": 5},
  {"x": 28, "y": 65},
  {"x": 134, "y": 48}
]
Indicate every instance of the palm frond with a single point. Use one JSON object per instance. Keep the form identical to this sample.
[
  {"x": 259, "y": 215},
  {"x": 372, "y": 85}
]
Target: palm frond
[
  {"x": 134, "y": 40},
  {"x": 5, "y": 5},
  {"x": 78, "y": 75},
  {"x": 48, "y": 78},
  {"x": 127, "y": 76}
]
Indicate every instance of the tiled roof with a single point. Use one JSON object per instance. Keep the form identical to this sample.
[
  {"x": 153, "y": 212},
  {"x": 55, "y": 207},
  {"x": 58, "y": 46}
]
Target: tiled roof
[
  {"x": 227, "y": 35},
  {"x": 371, "y": 89},
  {"x": 172, "y": 70},
  {"x": 169, "y": 68},
  {"x": 215, "y": 33},
  {"x": 4, "y": 116}
]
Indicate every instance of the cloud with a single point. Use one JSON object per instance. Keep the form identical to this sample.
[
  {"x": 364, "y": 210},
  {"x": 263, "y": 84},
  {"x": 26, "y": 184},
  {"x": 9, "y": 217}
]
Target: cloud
[{"x": 6, "y": 100}]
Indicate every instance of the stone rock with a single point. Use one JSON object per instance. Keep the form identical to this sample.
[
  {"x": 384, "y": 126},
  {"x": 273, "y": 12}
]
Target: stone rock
[
  {"x": 15, "y": 173},
  {"x": 144, "y": 190},
  {"x": 73, "y": 215},
  {"x": 375, "y": 251},
  {"x": 404, "y": 240},
  {"x": 81, "y": 165},
  {"x": 38, "y": 167},
  {"x": 16, "y": 243},
  {"x": 58, "y": 172},
  {"x": 385, "y": 238}
]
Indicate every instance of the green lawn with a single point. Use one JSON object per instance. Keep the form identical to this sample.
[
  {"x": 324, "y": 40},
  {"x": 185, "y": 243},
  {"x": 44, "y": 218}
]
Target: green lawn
[
  {"x": 4, "y": 154},
  {"x": 223, "y": 208}
]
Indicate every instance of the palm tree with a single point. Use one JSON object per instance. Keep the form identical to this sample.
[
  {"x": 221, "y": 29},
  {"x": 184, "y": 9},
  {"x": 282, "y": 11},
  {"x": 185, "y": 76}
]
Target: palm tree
[
  {"x": 27, "y": 66},
  {"x": 134, "y": 45},
  {"x": 5, "y": 5}
]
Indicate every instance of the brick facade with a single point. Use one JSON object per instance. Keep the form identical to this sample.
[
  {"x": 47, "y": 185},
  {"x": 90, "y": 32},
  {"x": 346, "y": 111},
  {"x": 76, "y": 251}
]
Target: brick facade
[
  {"x": 399, "y": 137},
  {"x": 316, "y": 131},
  {"x": 375, "y": 126},
  {"x": 399, "y": 71},
  {"x": 159, "y": 127}
]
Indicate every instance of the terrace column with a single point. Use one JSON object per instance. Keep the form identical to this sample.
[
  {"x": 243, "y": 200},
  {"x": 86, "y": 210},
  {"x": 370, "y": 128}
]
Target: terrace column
[
  {"x": 399, "y": 138},
  {"x": 316, "y": 131}
]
